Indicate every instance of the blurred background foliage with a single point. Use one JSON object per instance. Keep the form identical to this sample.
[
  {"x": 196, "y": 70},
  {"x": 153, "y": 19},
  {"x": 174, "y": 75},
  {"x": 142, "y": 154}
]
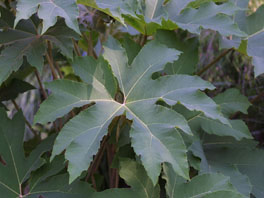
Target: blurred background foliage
[{"x": 236, "y": 71}]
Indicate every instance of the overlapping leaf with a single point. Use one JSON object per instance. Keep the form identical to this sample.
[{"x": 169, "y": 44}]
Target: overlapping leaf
[
  {"x": 253, "y": 25},
  {"x": 252, "y": 44},
  {"x": 13, "y": 89},
  {"x": 136, "y": 177},
  {"x": 231, "y": 101},
  {"x": 170, "y": 15},
  {"x": 16, "y": 168},
  {"x": 202, "y": 186},
  {"x": 114, "y": 8},
  {"x": 48, "y": 11},
  {"x": 47, "y": 182},
  {"x": 239, "y": 160},
  {"x": 188, "y": 60},
  {"x": 154, "y": 135},
  {"x": 24, "y": 41},
  {"x": 237, "y": 128}
]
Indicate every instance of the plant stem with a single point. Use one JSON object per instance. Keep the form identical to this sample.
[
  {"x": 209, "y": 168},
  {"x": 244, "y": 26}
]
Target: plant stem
[
  {"x": 199, "y": 73},
  {"x": 76, "y": 48},
  {"x": 90, "y": 50},
  {"x": 27, "y": 123},
  {"x": 97, "y": 159},
  {"x": 2, "y": 161},
  {"x": 252, "y": 101},
  {"x": 58, "y": 70},
  {"x": 50, "y": 61},
  {"x": 143, "y": 40},
  {"x": 41, "y": 85}
]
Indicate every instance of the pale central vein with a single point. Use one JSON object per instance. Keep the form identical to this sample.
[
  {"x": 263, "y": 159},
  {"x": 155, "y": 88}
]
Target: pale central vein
[{"x": 140, "y": 77}]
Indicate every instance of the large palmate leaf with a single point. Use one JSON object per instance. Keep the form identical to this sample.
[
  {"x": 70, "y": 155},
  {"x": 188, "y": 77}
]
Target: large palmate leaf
[
  {"x": 24, "y": 41},
  {"x": 239, "y": 160},
  {"x": 154, "y": 130},
  {"x": 16, "y": 168},
  {"x": 48, "y": 11},
  {"x": 136, "y": 177},
  {"x": 202, "y": 186}
]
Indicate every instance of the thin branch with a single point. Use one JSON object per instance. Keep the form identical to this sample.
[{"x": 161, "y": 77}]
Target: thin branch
[
  {"x": 27, "y": 123},
  {"x": 50, "y": 61},
  {"x": 143, "y": 40},
  {"x": 90, "y": 50},
  {"x": 199, "y": 73},
  {"x": 41, "y": 85},
  {"x": 58, "y": 70},
  {"x": 2, "y": 161},
  {"x": 96, "y": 162},
  {"x": 76, "y": 48}
]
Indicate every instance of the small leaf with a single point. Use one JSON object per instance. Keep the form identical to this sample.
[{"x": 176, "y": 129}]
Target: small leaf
[
  {"x": 188, "y": 60},
  {"x": 48, "y": 11},
  {"x": 231, "y": 101},
  {"x": 13, "y": 89}
]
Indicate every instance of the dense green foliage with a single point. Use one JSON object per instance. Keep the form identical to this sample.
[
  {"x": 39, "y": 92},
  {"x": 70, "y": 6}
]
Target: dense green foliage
[{"x": 125, "y": 111}]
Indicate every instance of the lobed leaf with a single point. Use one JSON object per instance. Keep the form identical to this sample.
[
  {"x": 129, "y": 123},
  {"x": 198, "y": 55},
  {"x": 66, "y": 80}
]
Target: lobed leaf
[
  {"x": 204, "y": 186},
  {"x": 48, "y": 11}
]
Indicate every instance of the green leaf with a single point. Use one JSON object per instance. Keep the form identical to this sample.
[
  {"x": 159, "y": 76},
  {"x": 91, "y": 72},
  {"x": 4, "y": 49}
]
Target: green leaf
[
  {"x": 231, "y": 101},
  {"x": 24, "y": 41},
  {"x": 252, "y": 44},
  {"x": 13, "y": 89},
  {"x": 48, "y": 11},
  {"x": 17, "y": 168},
  {"x": 150, "y": 126},
  {"x": 233, "y": 156},
  {"x": 114, "y": 8},
  {"x": 57, "y": 186},
  {"x": 197, "y": 3},
  {"x": 170, "y": 15},
  {"x": 204, "y": 186},
  {"x": 46, "y": 182},
  {"x": 188, "y": 60},
  {"x": 237, "y": 128},
  {"x": 62, "y": 37},
  {"x": 209, "y": 16},
  {"x": 98, "y": 74},
  {"x": 20, "y": 42},
  {"x": 253, "y": 25},
  {"x": 136, "y": 177}
]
